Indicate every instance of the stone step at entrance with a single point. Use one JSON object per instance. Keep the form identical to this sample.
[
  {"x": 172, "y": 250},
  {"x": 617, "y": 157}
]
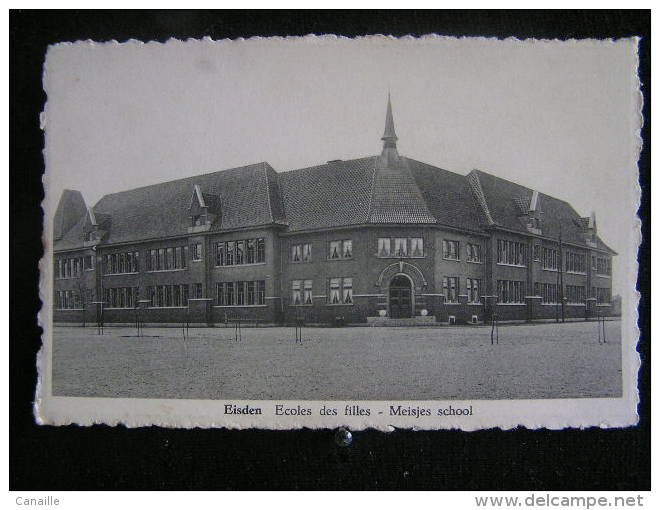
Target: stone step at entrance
[{"x": 428, "y": 320}]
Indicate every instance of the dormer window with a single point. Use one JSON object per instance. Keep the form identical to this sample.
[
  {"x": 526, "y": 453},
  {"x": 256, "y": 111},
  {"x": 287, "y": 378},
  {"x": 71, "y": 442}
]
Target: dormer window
[
  {"x": 197, "y": 220},
  {"x": 204, "y": 210}
]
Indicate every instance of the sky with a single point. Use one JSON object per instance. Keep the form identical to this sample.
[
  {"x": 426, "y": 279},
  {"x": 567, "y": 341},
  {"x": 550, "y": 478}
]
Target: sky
[{"x": 559, "y": 117}]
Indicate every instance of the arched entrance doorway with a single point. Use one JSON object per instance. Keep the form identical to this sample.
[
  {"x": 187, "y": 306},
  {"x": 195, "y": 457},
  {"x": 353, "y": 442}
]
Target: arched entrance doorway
[{"x": 401, "y": 305}]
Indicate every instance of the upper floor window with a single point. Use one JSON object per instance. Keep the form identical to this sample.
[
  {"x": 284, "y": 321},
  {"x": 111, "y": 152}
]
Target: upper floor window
[
  {"x": 450, "y": 249},
  {"x": 474, "y": 252},
  {"x": 243, "y": 251},
  {"x": 400, "y": 247},
  {"x": 196, "y": 252},
  {"x": 119, "y": 263},
  {"x": 301, "y": 252},
  {"x": 196, "y": 291},
  {"x": 88, "y": 262},
  {"x": 511, "y": 253},
  {"x": 603, "y": 266},
  {"x": 68, "y": 268},
  {"x": 167, "y": 259},
  {"x": 537, "y": 252},
  {"x": 122, "y": 297},
  {"x": 450, "y": 289},
  {"x": 550, "y": 259},
  {"x": 341, "y": 249},
  {"x": 575, "y": 262},
  {"x": 341, "y": 291}
]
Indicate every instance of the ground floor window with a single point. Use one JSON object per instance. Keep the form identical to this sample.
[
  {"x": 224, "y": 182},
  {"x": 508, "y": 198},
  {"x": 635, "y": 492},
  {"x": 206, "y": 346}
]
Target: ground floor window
[
  {"x": 301, "y": 292},
  {"x": 549, "y": 293},
  {"x": 121, "y": 297},
  {"x": 243, "y": 293},
  {"x": 601, "y": 294},
  {"x": 473, "y": 290},
  {"x": 575, "y": 294},
  {"x": 67, "y": 300},
  {"x": 167, "y": 296},
  {"x": 510, "y": 291},
  {"x": 450, "y": 289},
  {"x": 341, "y": 291}
]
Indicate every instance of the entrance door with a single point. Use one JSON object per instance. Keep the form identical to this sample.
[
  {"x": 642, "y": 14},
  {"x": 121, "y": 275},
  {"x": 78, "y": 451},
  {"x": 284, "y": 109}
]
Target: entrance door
[{"x": 400, "y": 298}]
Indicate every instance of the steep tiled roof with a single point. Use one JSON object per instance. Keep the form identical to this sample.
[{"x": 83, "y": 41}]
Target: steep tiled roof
[
  {"x": 70, "y": 209},
  {"x": 331, "y": 195},
  {"x": 395, "y": 196},
  {"x": 447, "y": 195},
  {"x": 502, "y": 196},
  {"x": 162, "y": 210}
]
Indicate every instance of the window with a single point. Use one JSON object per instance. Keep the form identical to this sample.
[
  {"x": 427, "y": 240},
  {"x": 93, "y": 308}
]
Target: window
[
  {"x": 67, "y": 300},
  {"x": 384, "y": 246},
  {"x": 121, "y": 297},
  {"x": 244, "y": 251},
  {"x": 510, "y": 291},
  {"x": 416, "y": 247},
  {"x": 473, "y": 290},
  {"x": 197, "y": 291},
  {"x": 243, "y": 293},
  {"x": 240, "y": 253},
  {"x": 341, "y": 291},
  {"x": 301, "y": 252},
  {"x": 167, "y": 259},
  {"x": 549, "y": 293},
  {"x": 250, "y": 251},
  {"x": 341, "y": 249},
  {"x": 473, "y": 253},
  {"x": 511, "y": 253},
  {"x": 196, "y": 251},
  {"x": 450, "y": 289},
  {"x": 450, "y": 249},
  {"x": 550, "y": 259},
  {"x": 167, "y": 296},
  {"x": 69, "y": 268},
  {"x": 537, "y": 252},
  {"x": 603, "y": 266},
  {"x": 575, "y": 262},
  {"x": 602, "y": 295},
  {"x": 302, "y": 292},
  {"x": 575, "y": 294},
  {"x": 401, "y": 247},
  {"x": 347, "y": 286},
  {"x": 261, "y": 251}
]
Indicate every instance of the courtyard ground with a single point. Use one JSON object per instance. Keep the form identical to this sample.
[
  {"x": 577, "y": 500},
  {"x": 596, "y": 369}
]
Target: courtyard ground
[{"x": 531, "y": 361}]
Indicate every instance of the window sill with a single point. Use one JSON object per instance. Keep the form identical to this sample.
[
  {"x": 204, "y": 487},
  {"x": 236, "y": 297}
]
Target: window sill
[
  {"x": 400, "y": 256},
  {"x": 577, "y": 272},
  {"x": 511, "y": 304},
  {"x": 511, "y": 265},
  {"x": 301, "y": 306},
  {"x": 195, "y": 260},
  {"x": 122, "y": 274},
  {"x": 474, "y": 261},
  {"x": 120, "y": 308},
  {"x": 165, "y": 270},
  {"x": 339, "y": 260},
  {"x": 239, "y": 306},
  {"x": 452, "y": 260},
  {"x": 301, "y": 261},
  {"x": 167, "y": 307},
  {"x": 550, "y": 270},
  {"x": 241, "y": 265},
  {"x": 603, "y": 275},
  {"x": 69, "y": 309},
  {"x": 339, "y": 304}
]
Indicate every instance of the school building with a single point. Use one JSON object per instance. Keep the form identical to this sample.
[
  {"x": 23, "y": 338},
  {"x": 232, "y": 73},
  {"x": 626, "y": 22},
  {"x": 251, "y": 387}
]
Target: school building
[{"x": 382, "y": 240}]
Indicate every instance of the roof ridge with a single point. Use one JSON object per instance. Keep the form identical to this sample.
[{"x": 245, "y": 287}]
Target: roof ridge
[
  {"x": 179, "y": 180},
  {"x": 326, "y": 164}
]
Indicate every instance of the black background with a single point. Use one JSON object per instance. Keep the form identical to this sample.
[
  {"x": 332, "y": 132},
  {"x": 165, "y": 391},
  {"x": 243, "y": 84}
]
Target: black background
[{"x": 102, "y": 457}]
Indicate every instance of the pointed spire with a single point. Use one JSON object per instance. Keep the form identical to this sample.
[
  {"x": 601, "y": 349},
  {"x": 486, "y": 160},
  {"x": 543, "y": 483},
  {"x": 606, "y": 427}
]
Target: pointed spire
[{"x": 389, "y": 136}]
